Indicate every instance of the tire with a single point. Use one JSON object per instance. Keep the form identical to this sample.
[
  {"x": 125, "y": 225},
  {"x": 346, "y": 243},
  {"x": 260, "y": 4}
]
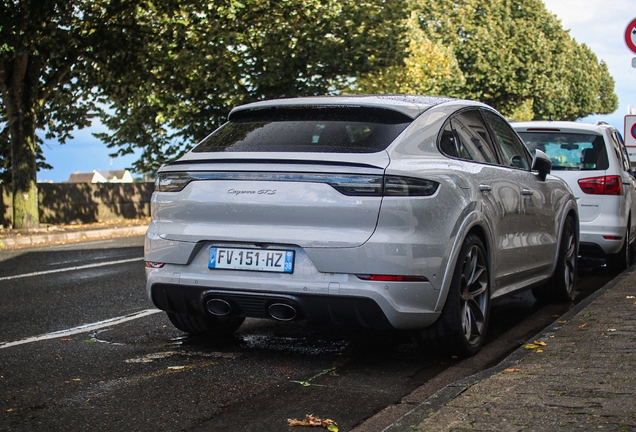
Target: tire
[
  {"x": 461, "y": 328},
  {"x": 560, "y": 287},
  {"x": 205, "y": 326},
  {"x": 621, "y": 260}
]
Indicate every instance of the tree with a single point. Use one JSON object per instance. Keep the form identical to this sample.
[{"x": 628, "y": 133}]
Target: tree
[
  {"x": 163, "y": 74},
  {"x": 227, "y": 54},
  {"x": 46, "y": 82},
  {"x": 511, "y": 54},
  {"x": 428, "y": 67}
]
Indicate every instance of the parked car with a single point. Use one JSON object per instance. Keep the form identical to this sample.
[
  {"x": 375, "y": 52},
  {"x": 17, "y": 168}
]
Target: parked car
[
  {"x": 593, "y": 160},
  {"x": 394, "y": 212}
]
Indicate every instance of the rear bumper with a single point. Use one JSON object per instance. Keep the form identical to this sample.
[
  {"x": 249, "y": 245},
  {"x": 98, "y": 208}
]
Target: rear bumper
[
  {"x": 346, "y": 311},
  {"x": 606, "y": 225},
  {"x": 332, "y": 298},
  {"x": 597, "y": 237}
]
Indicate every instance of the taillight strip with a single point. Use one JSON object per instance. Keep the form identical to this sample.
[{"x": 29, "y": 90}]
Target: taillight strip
[{"x": 346, "y": 184}]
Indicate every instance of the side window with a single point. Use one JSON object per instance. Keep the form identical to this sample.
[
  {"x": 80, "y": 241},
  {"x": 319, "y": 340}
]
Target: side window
[
  {"x": 512, "y": 148},
  {"x": 465, "y": 137},
  {"x": 621, "y": 152}
]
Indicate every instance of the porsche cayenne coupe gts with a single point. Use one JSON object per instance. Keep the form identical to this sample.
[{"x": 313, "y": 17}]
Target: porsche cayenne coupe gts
[{"x": 388, "y": 212}]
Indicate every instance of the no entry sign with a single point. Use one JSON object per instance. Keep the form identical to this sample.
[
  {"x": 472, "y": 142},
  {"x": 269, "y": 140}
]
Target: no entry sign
[
  {"x": 630, "y": 130},
  {"x": 630, "y": 35}
]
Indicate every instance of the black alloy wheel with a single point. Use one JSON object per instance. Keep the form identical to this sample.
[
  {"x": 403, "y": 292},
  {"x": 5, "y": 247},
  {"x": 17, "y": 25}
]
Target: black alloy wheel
[
  {"x": 560, "y": 287},
  {"x": 461, "y": 328}
]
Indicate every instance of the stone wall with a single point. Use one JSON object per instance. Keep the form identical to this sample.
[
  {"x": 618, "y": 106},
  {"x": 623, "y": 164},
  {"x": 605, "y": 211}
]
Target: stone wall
[{"x": 65, "y": 203}]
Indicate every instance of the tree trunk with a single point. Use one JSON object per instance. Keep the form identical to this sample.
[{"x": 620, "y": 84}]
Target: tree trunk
[{"x": 19, "y": 84}]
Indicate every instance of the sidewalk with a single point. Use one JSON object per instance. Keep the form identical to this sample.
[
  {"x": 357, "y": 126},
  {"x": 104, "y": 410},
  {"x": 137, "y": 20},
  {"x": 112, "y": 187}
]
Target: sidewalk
[
  {"x": 59, "y": 234},
  {"x": 581, "y": 375}
]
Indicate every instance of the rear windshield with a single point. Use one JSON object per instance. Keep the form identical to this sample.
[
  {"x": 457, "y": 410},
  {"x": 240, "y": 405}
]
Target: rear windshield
[
  {"x": 569, "y": 151},
  {"x": 326, "y": 130}
]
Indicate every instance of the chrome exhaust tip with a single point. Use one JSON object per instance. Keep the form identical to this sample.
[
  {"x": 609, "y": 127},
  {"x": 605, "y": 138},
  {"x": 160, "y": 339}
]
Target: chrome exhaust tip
[
  {"x": 282, "y": 311},
  {"x": 218, "y": 307}
]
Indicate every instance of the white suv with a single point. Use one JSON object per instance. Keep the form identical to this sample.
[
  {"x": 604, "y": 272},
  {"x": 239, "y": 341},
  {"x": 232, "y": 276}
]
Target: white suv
[{"x": 593, "y": 160}]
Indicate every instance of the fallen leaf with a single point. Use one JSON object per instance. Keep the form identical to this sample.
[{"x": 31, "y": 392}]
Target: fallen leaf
[
  {"x": 539, "y": 350},
  {"x": 582, "y": 326},
  {"x": 176, "y": 367},
  {"x": 562, "y": 321},
  {"x": 311, "y": 420},
  {"x": 540, "y": 343},
  {"x": 302, "y": 383},
  {"x": 611, "y": 330},
  {"x": 66, "y": 339},
  {"x": 630, "y": 297},
  {"x": 511, "y": 370},
  {"x": 89, "y": 340},
  {"x": 531, "y": 346}
]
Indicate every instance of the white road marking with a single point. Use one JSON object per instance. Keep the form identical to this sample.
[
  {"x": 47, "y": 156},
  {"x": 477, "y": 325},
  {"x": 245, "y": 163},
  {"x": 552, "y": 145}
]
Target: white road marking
[
  {"x": 82, "y": 329},
  {"x": 101, "y": 264}
]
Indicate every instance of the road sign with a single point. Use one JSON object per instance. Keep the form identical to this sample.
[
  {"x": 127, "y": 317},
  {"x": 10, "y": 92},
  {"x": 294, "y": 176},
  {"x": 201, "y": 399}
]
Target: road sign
[
  {"x": 630, "y": 35},
  {"x": 630, "y": 136},
  {"x": 630, "y": 130}
]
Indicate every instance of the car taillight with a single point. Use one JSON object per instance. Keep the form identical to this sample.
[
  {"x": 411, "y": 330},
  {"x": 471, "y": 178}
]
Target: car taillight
[
  {"x": 390, "y": 186},
  {"x": 604, "y": 185},
  {"x": 172, "y": 181},
  {"x": 154, "y": 265},
  {"x": 389, "y": 278},
  {"x": 408, "y": 186}
]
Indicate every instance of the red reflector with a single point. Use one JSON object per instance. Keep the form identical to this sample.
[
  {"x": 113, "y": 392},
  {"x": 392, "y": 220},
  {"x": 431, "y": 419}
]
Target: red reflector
[
  {"x": 612, "y": 238},
  {"x": 604, "y": 185},
  {"x": 154, "y": 264},
  {"x": 388, "y": 278}
]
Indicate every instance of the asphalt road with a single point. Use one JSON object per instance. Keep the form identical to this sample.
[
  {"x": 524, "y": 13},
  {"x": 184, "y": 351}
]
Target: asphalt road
[{"x": 82, "y": 348}]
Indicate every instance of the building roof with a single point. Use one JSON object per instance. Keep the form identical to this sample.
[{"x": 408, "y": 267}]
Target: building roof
[
  {"x": 100, "y": 176},
  {"x": 78, "y": 177}
]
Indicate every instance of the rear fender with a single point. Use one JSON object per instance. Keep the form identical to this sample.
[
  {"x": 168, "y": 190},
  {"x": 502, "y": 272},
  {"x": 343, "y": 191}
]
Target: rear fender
[{"x": 471, "y": 221}]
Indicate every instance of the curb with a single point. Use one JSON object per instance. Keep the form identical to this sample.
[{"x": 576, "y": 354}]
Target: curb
[
  {"x": 32, "y": 240},
  {"x": 434, "y": 403}
]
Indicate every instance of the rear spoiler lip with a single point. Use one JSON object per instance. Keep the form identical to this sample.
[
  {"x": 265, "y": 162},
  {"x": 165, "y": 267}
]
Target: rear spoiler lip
[{"x": 270, "y": 161}]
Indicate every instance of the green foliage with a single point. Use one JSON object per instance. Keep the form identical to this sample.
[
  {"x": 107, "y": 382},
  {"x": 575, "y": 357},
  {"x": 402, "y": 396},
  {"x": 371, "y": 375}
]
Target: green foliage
[
  {"x": 427, "y": 68},
  {"x": 514, "y": 54},
  {"x": 210, "y": 57},
  {"x": 511, "y": 54}
]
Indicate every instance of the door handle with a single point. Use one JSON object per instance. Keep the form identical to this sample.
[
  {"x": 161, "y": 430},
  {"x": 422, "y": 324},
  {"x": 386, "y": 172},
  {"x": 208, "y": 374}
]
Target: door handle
[
  {"x": 485, "y": 188},
  {"x": 526, "y": 192}
]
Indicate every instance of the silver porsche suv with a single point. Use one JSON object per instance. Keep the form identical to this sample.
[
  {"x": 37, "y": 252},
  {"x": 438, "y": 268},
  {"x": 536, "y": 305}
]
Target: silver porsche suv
[{"x": 388, "y": 212}]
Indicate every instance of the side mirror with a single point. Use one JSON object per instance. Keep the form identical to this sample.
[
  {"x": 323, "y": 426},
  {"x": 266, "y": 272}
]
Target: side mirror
[{"x": 542, "y": 164}]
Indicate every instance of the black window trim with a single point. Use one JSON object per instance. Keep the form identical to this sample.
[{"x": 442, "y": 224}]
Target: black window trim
[
  {"x": 498, "y": 150},
  {"x": 490, "y": 144}
]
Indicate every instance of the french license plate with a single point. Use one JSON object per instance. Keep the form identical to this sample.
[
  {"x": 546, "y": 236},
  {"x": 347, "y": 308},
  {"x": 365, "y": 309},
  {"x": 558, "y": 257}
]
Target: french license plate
[{"x": 281, "y": 261}]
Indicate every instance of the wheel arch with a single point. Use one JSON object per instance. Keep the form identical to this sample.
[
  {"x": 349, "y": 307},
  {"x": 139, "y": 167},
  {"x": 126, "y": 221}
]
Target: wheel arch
[
  {"x": 475, "y": 224},
  {"x": 570, "y": 213}
]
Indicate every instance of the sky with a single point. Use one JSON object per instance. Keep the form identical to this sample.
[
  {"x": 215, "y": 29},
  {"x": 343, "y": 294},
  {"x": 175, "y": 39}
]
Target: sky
[{"x": 600, "y": 24}]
